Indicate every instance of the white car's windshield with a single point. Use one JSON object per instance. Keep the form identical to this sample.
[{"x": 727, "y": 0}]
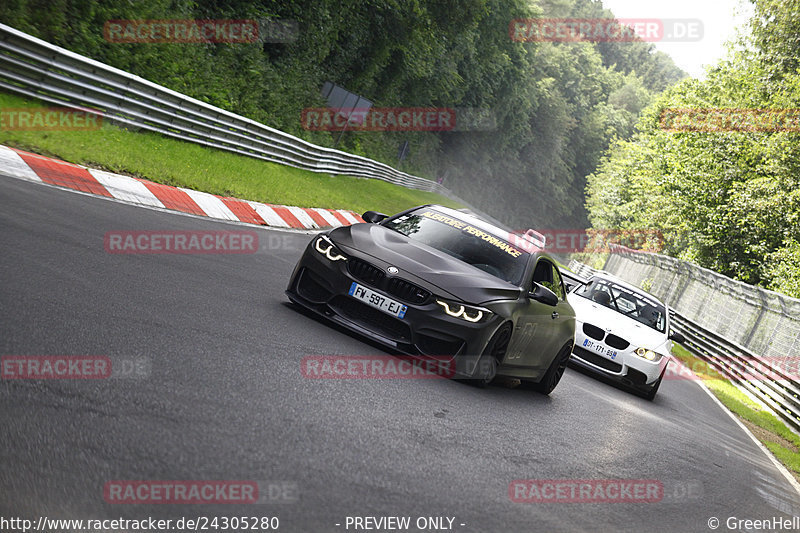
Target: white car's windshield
[{"x": 626, "y": 301}]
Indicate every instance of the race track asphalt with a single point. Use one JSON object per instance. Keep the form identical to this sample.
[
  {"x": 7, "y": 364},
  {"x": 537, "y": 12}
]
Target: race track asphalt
[{"x": 220, "y": 396}]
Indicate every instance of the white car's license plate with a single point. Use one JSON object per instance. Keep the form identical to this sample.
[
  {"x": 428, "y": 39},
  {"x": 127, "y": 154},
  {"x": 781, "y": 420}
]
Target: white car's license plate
[
  {"x": 599, "y": 348},
  {"x": 377, "y": 300}
]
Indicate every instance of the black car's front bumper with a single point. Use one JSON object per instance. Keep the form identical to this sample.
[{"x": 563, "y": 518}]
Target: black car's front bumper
[{"x": 322, "y": 285}]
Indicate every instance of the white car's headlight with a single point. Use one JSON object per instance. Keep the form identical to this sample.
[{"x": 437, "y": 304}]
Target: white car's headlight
[
  {"x": 324, "y": 246},
  {"x": 650, "y": 355},
  {"x": 466, "y": 312}
]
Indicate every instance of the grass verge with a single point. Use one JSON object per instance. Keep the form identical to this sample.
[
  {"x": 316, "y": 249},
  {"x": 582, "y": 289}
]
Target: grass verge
[
  {"x": 164, "y": 160},
  {"x": 770, "y": 430}
]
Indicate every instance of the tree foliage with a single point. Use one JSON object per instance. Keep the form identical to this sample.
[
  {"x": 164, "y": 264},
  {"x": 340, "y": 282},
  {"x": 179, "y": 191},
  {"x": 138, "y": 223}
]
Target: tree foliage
[
  {"x": 557, "y": 106},
  {"x": 728, "y": 200}
]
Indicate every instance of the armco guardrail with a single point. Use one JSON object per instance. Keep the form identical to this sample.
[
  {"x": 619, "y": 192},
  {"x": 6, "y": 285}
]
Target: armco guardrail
[
  {"x": 32, "y": 67},
  {"x": 776, "y": 382}
]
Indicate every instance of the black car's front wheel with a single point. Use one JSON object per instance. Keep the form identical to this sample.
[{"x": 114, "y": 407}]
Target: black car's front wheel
[
  {"x": 493, "y": 354},
  {"x": 554, "y": 373}
]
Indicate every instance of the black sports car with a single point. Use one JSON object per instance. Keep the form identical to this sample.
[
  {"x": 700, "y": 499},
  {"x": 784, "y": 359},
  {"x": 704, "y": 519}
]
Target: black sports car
[{"x": 433, "y": 281}]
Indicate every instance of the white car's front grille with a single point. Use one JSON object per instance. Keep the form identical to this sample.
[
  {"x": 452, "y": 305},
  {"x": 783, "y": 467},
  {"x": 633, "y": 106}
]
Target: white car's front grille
[{"x": 598, "y": 334}]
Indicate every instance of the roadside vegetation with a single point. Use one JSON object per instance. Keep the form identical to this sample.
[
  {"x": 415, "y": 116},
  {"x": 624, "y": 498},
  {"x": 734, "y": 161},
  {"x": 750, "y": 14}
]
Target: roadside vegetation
[
  {"x": 769, "y": 429},
  {"x": 576, "y": 135},
  {"x": 727, "y": 195},
  {"x": 173, "y": 162},
  {"x": 553, "y": 107}
]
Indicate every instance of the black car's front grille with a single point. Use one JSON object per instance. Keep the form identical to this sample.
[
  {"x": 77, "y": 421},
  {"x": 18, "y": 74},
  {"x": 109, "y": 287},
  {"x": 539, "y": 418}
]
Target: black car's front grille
[
  {"x": 371, "y": 318},
  {"x": 407, "y": 291},
  {"x": 365, "y": 272},
  {"x": 617, "y": 342},
  {"x": 397, "y": 287},
  {"x": 597, "y": 360},
  {"x": 593, "y": 331}
]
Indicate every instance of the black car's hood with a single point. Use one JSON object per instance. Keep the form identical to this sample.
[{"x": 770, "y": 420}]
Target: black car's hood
[{"x": 419, "y": 262}]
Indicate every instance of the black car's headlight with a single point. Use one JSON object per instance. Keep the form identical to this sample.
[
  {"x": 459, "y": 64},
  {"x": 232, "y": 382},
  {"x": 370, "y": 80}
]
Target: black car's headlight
[
  {"x": 324, "y": 246},
  {"x": 466, "y": 312},
  {"x": 650, "y": 355}
]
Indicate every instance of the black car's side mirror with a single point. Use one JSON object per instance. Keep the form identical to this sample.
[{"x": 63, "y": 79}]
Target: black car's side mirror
[
  {"x": 677, "y": 337},
  {"x": 540, "y": 293},
  {"x": 373, "y": 217}
]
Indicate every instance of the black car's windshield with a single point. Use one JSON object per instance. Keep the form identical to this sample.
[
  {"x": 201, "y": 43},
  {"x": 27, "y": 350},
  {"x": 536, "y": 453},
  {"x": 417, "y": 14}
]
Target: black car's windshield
[
  {"x": 463, "y": 241},
  {"x": 625, "y": 301}
]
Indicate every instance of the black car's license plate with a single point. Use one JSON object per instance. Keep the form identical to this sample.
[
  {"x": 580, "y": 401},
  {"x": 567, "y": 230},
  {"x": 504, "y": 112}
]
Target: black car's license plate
[{"x": 377, "y": 300}]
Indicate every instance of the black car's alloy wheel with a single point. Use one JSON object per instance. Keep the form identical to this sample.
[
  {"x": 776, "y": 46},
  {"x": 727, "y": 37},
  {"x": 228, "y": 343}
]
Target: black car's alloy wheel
[{"x": 554, "y": 373}]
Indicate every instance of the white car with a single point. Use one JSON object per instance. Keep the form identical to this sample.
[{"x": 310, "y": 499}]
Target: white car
[{"x": 622, "y": 332}]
